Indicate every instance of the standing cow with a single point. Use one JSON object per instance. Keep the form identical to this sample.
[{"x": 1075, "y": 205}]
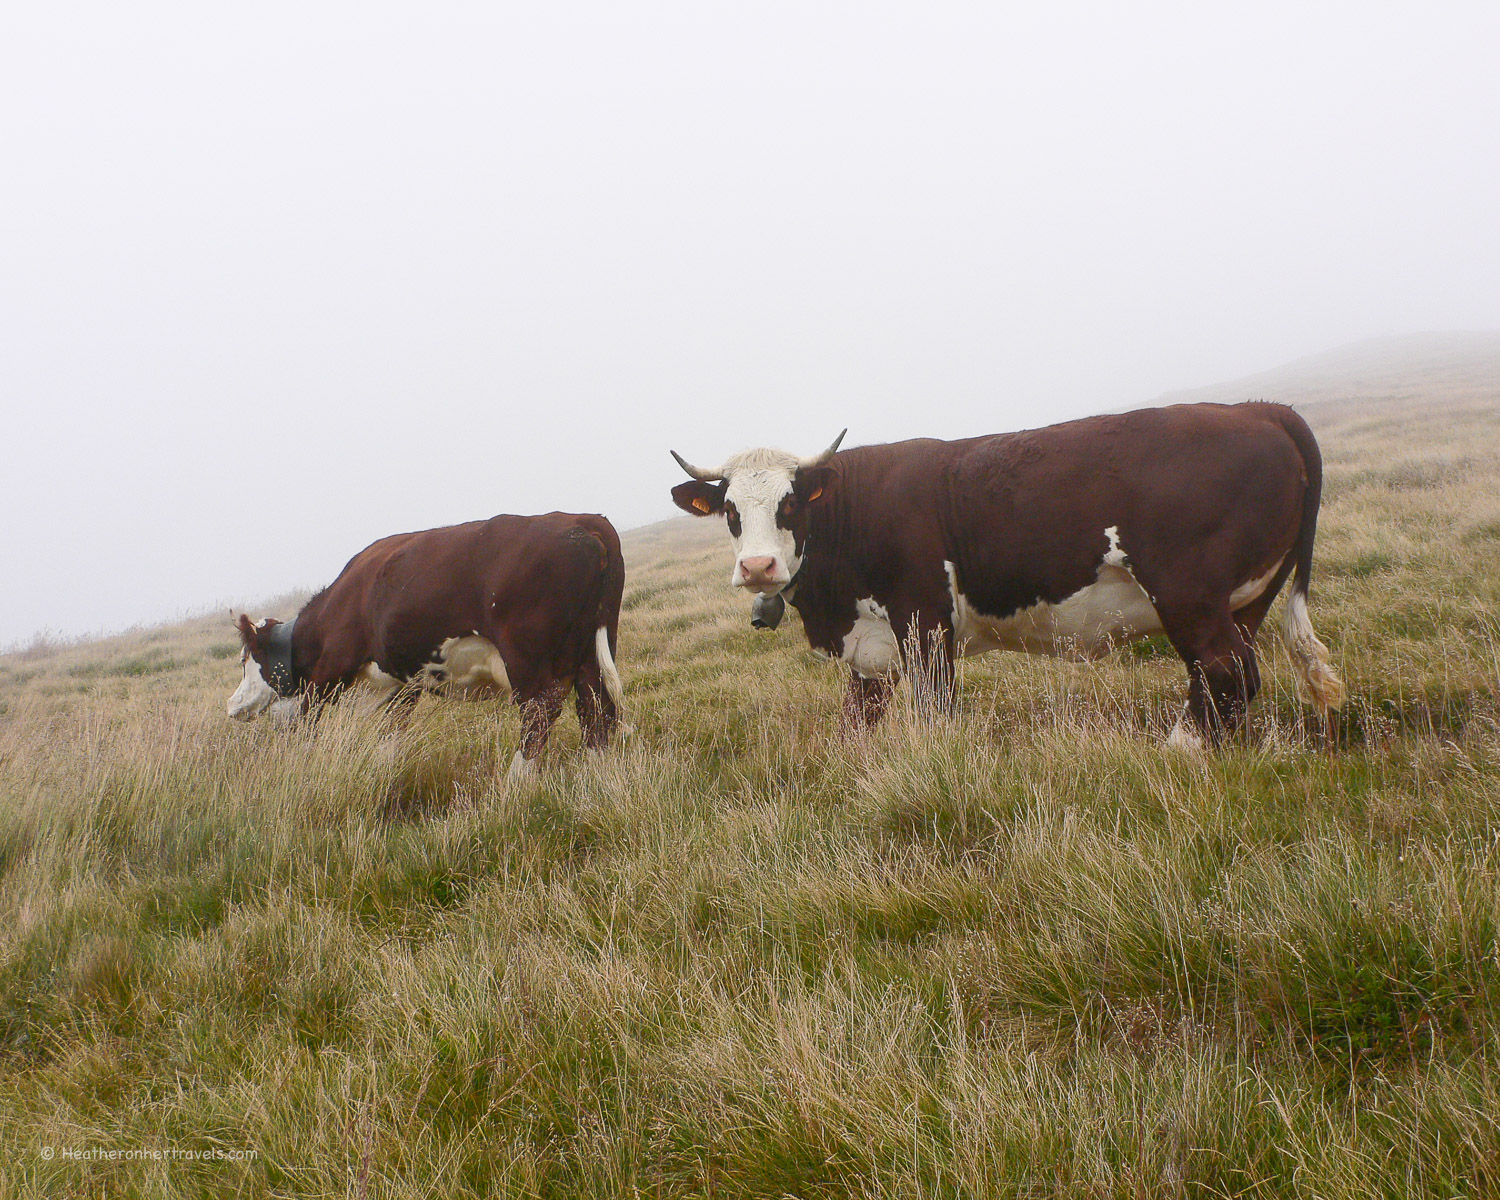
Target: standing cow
[
  {"x": 1068, "y": 540},
  {"x": 526, "y": 605}
]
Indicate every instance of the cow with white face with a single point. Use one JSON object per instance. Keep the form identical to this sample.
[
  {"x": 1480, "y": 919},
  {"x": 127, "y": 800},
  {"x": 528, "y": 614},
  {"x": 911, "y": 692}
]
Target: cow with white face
[
  {"x": 266, "y": 660},
  {"x": 1070, "y": 540},
  {"x": 763, "y": 495}
]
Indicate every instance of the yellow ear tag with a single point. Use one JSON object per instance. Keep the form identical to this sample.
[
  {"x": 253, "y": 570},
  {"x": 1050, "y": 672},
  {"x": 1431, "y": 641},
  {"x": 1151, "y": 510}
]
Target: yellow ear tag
[
  {"x": 815, "y": 495},
  {"x": 701, "y": 504}
]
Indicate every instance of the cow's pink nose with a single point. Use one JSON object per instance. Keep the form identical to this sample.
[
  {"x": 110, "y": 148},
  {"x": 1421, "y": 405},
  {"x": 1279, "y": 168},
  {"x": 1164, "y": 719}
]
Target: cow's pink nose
[{"x": 756, "y": 571}]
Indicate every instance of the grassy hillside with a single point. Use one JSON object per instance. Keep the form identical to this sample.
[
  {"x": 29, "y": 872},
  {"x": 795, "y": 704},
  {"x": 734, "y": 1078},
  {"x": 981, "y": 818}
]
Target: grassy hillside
[{"x": 1028, "y": 951}]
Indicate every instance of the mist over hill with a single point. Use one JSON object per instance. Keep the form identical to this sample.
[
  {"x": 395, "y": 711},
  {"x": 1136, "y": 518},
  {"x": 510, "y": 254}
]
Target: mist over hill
[{"x": 1447, "y": 368}]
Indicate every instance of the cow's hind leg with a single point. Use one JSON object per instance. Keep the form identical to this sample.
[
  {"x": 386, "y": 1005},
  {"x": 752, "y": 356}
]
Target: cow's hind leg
[
  {"x": 539, "y": 712},
  {"x": 927, "y": 652},
  {"x": 1223, "y": 675},
  {"x": 597, "y": 714}
]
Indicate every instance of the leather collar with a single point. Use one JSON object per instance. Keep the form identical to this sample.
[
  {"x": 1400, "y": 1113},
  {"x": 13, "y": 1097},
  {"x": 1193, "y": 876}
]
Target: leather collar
[{"x": 278, "y": 651}]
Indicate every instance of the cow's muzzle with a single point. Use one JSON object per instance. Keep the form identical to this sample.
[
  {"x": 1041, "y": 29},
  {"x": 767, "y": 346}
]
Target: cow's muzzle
[{"x": 767, "y": 610}]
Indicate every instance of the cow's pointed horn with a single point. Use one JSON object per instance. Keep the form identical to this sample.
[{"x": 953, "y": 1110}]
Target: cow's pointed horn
[
  {"x": 697, "y": 472},
  {"x": 820, "y": 460}
]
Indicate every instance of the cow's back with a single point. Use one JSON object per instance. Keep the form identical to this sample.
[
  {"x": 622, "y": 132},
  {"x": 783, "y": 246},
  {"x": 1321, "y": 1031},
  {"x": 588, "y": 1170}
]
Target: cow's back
[
  {"x": 401, "y": 598},
  {"x": 1028, "y": 515}
]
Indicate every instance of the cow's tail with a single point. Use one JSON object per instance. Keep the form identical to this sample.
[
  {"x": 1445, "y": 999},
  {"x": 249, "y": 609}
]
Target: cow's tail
[
  {"x": 1317, "y": 681},
  {"x": 606, "y": 616},
  {"x": 608, "y": 671}
]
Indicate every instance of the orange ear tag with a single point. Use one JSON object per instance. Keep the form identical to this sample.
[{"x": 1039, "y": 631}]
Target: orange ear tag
[
  {"x": 815, "y": 495},
  {"x": 701, "y": 504}
]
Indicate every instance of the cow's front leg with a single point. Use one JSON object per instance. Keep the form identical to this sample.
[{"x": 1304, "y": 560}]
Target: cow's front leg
[
  {"x": 866, "y": 700},
  {"x": 400, "y": 705}
]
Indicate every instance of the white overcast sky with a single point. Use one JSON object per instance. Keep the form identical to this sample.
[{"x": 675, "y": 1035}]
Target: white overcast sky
[{"x": 278, "y": 279}]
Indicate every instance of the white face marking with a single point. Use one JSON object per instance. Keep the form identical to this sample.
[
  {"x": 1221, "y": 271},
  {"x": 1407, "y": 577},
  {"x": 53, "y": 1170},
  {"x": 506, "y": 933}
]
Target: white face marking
[
  {"x": 253, "y": 696},
  {"x": 870, "y": 647},
  {"x": 756, "y": 496}
]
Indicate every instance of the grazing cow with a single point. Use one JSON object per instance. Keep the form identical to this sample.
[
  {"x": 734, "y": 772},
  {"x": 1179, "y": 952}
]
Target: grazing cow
[
  {"x": 526, "y": 605},
  {"x": 1068, "y": 540}
]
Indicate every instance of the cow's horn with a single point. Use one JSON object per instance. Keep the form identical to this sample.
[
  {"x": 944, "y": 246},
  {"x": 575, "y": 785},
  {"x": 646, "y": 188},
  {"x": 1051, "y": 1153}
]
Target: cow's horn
[
  {"x": 819, "y": 460},
  {"x": 697, "y": 472}
]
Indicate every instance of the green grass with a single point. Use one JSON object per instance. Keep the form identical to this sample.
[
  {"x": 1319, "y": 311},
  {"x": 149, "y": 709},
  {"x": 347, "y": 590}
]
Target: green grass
[{"x": 1028, "y": 951}]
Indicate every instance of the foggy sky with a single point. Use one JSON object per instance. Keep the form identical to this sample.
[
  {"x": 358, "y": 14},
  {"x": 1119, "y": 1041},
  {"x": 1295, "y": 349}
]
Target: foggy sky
[{"x": 276, "y": 280}]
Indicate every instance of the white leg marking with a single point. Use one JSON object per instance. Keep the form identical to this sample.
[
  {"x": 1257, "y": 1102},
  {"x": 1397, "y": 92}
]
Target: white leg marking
[
  {"x": 521, "y": 769},
  {"x": 1184, "y": 737}
]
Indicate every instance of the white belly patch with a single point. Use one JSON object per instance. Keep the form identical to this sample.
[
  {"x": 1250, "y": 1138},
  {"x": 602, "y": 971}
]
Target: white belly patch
[
  {"x": 465, "y": 666},
  {"x": 870, "y": 647},
  {"x": 1091, "y": 622},
  {"x": 1109, "y": 612}
]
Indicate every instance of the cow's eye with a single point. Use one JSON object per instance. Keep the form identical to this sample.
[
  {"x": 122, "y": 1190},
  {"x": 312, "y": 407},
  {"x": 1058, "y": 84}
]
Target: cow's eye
[{"x": 789, "y": 506}]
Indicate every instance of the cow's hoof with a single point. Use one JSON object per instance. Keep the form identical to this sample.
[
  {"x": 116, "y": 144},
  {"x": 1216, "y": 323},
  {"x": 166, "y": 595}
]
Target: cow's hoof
[
  {"x": 1184, "y": 738},
  {"x": 522, "y": 769}
]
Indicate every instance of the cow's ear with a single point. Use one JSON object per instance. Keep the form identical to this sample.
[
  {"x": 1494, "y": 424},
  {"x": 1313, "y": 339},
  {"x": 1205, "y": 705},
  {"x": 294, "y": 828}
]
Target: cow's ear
[
  {"x": 700, "y": 499},
  {"x": 251, "y": 633},
  {"x": 809, "y": 482}
]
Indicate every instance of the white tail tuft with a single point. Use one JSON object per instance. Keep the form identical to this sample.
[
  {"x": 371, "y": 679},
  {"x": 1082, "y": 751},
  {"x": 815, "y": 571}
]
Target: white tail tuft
[
  {"x": 607, "y": 669},
  {"x": 1317, "y": 682}
]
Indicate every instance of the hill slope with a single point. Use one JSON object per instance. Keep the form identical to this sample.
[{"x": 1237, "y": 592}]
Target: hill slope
[
  {"x": 1028, "y": 951},
  {"x": 1455, "y": 370}
]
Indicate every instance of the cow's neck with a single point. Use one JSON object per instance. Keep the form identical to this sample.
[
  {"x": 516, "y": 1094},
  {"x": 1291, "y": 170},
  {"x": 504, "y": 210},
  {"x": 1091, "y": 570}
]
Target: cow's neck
[{"x": 827, "y": 583}]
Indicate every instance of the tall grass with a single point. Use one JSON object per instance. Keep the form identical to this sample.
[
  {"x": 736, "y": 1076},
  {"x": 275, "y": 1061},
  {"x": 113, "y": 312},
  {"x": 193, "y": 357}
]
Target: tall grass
[{"x": 1027, "y": 950}]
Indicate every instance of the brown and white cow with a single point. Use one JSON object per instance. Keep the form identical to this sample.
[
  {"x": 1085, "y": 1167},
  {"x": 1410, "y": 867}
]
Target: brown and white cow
[
  {"x": 1068, "y": 540},
  {"x": 525, "y": 605}
]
